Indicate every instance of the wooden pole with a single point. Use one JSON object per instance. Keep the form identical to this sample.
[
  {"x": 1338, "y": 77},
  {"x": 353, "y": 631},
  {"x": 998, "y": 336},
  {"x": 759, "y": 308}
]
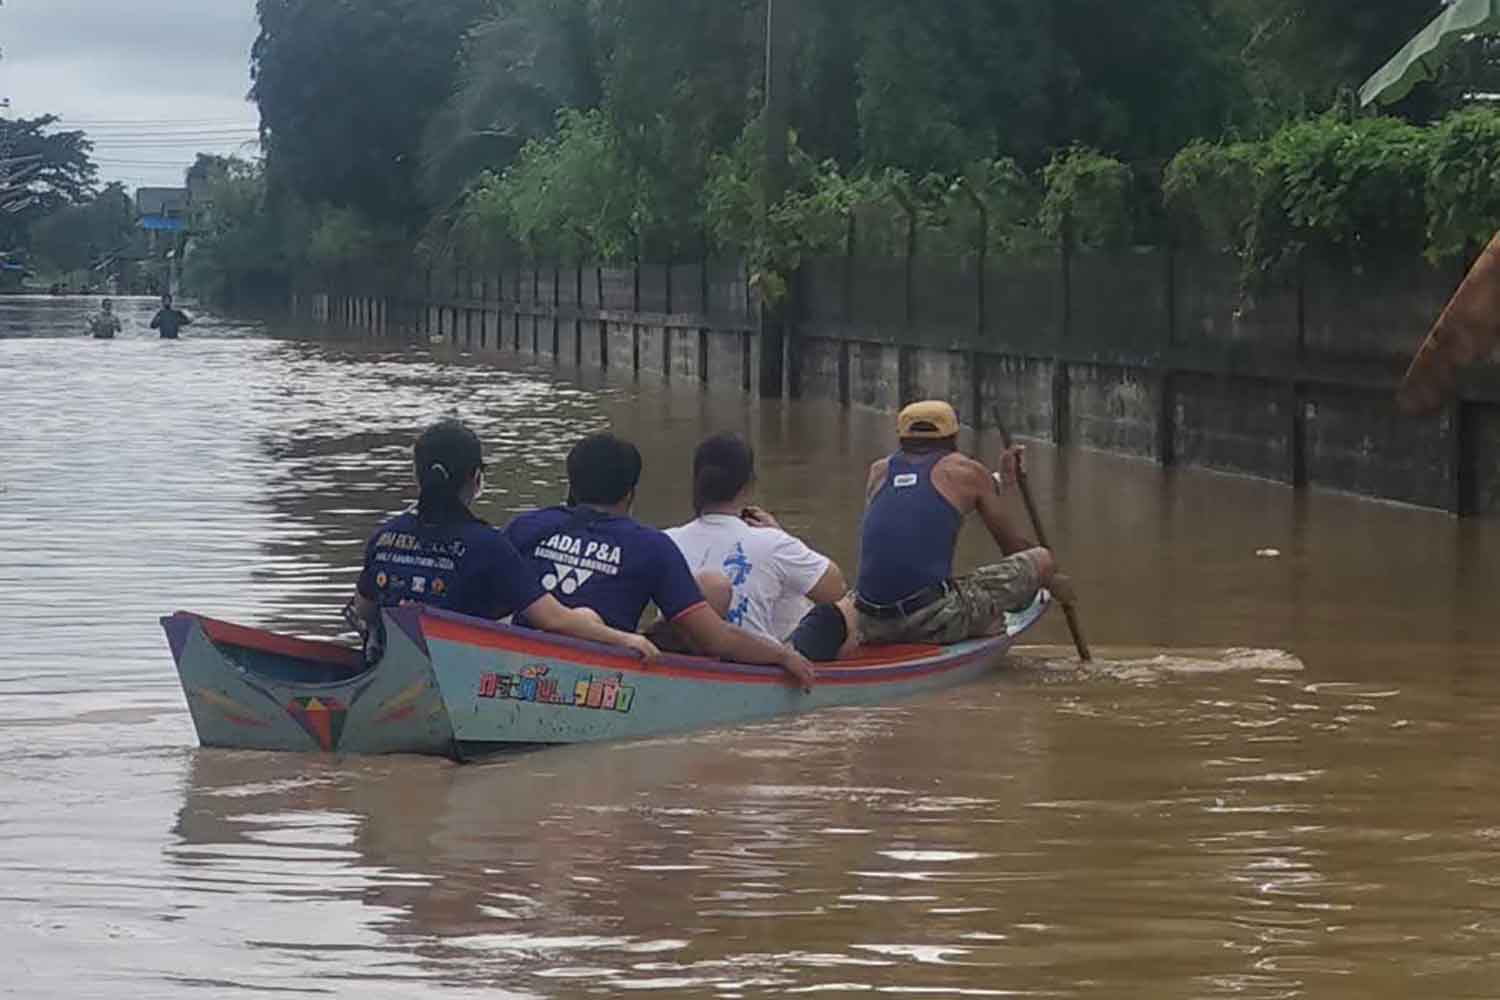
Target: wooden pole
[{"x": 1024, "y": 486}]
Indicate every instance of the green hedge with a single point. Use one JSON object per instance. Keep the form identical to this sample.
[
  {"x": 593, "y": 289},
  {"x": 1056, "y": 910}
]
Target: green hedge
[
  {"x": 1366, "y": 187},
  {"x": 1353, "y": 187}
]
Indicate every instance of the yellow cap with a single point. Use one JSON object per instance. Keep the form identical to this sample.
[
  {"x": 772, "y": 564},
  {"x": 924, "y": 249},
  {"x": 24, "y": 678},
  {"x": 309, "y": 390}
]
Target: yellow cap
[{"x": 931, "y": 418}]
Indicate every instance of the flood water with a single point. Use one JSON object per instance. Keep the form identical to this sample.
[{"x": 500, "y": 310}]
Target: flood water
[{"x": 1279, "y": 781}]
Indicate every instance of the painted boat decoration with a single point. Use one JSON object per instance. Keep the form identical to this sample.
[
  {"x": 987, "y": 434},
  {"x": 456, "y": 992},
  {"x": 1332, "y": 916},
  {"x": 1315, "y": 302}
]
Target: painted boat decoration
[{"x": 464, "y": 687}]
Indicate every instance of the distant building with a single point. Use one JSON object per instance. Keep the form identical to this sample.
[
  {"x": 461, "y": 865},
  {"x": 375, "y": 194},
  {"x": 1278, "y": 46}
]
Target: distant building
[
  {"x": 162, "y": 210},
  {"x": 163, "y": 214}
]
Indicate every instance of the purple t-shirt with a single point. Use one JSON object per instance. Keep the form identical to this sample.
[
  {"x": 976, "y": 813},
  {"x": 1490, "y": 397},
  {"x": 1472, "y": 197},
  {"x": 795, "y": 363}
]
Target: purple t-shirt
[
  {"x": 614, "y": 565},
  {"x": 465, "y": 566}
]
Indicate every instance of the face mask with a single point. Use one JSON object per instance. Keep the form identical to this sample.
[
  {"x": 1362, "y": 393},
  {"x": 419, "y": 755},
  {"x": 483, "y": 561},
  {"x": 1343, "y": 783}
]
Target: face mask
[{"x": 479, "y": 489}]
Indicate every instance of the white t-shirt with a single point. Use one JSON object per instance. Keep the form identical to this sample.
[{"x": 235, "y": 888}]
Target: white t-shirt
[{"x": 771, "y": 570}]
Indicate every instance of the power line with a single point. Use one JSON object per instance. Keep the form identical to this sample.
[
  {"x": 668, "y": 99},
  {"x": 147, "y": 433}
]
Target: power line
[
  {"x": 137, "y": 136},
  {"x": 246, "y": 122},
  {"x": 186, "y": 144},
  {"x": 152, "y": 129},
  {"x": 110, "y": 162},
  {"x": 134, "y": 136}
]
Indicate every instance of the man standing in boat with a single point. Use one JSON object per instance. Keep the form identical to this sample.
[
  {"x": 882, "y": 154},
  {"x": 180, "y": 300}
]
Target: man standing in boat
[
  {"x": 170, "y": 320},
  {"x": 916, "y": 502},
  {"x": 592, "y": 554}
]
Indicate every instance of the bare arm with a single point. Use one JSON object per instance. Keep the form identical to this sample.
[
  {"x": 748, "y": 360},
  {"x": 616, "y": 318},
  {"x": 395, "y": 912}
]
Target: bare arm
[
  {"x": 551, "y": 615},
  {"x": 969, "y": 485},
  {"x": 156, "y": 321},
  {"x": 717, "y": 637},
  {"x": 830, "y": 588}
]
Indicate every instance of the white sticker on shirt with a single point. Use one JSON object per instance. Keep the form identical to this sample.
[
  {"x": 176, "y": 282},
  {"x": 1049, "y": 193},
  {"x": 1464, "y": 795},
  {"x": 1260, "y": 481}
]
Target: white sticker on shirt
[
  {"x": 904, "y": 480},
  {"x": 575, "y": 561}
]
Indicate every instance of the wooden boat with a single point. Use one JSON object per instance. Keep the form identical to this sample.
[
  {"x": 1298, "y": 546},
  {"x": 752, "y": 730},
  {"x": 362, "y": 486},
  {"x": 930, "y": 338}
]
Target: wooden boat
[{"x": 463, "y": 687}]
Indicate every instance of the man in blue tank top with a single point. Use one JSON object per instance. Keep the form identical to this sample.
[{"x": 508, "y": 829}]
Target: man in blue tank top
[{"x": 917, "y": 500}]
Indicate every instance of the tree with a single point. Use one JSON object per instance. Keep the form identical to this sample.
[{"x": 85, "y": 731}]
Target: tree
[
  {"x": 239, "y": 251},
  {"x": 346, "y": 90},
  {"x": 86, "y": 236},
  {"x": 63, "y": 173},
  {"x": 1301, "y": 53},
  {"x": 943, "y": 86},
  {"x": 519, "y": 68}
]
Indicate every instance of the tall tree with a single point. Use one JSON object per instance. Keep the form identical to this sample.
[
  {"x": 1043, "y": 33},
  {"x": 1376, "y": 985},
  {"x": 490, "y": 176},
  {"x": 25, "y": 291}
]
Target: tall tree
[
  {"x": 346, "y": 89},
  {"x": 82, "y": 236},
  {"x": 521, "y": 66},
  {"x": 63, "y": 173},
  {"x": 680, "y": 80}
]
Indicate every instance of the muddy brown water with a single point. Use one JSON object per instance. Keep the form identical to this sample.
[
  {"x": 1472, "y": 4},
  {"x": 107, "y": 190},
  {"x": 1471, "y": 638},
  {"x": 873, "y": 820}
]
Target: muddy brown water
[{"x": 1279, "y": 781}]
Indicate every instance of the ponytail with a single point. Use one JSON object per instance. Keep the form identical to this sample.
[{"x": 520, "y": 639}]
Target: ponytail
[
  {"x": 447, "y": 455},
  {"x": 439, "y": 500}
]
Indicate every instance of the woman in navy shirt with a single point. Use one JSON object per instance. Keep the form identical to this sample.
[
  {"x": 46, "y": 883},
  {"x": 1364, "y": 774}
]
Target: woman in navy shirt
[{"x": 440, "y": 554}]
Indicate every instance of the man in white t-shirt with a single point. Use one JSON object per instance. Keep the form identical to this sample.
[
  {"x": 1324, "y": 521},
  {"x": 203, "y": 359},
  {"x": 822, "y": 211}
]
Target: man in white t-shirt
[{"x": 765, "y": 579}]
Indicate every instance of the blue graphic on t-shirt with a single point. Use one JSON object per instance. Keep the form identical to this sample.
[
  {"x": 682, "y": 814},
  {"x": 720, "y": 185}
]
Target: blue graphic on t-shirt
[
  {"x": 737, "y": 566},
  {"x": 739, "y": 612}
]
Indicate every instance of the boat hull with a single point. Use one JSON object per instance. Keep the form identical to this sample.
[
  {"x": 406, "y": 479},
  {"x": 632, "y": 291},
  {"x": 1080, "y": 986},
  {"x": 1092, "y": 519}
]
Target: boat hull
[
  {"x": 253, "y": 690},
  {"x": 462, "y": 687},
  {"x": 504, "y": 690}
]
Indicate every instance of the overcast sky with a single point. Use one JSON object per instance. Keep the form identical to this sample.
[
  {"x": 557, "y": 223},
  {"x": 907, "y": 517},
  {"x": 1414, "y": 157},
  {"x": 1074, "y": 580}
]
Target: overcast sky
[{"x": 151, "y": 81}]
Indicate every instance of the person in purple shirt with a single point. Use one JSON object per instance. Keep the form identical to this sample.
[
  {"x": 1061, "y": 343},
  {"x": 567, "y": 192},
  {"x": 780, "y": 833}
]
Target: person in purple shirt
[
  {"x": 590, "y": 553},
  {"x": 440, "y": 554}
]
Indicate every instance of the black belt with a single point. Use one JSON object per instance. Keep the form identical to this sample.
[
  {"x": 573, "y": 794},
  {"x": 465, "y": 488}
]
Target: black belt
[{"x": 906, "y": 606}]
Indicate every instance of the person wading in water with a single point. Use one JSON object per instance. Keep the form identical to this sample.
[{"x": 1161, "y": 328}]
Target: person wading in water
[
  {"x": 440, "y": 554},
  {"x": 917, "y": 500},
  {"x": 169, "y": 320},
  {"x": 104, "y": 324},
  {"x": 591, "y": 553}
]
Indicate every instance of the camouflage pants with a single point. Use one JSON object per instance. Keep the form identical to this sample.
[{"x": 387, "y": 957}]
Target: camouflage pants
[{"x": 974, "y": 606}]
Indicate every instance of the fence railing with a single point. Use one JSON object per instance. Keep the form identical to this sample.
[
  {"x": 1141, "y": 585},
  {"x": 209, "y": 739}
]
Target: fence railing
[{"x": 1164, "y": 353}]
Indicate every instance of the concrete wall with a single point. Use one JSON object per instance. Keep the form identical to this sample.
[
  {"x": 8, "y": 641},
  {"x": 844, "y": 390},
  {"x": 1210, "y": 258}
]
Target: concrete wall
[
  {"x": 728, "y": 369},
  {"x": 875, "y": 374},
  {"x": 592, "y": 351},
  {"x": 1237, "y": 425},
  {"x": 824, "y": 370},
  {"x": 684, "y": 363},
  {"x": 1017, "y": 394},
  {"x": 1359, "y": 443},
  {"x": 652, "y": 347},
  {"x": 1161, "y": 355},
  {"x": 621, "y": 342}
]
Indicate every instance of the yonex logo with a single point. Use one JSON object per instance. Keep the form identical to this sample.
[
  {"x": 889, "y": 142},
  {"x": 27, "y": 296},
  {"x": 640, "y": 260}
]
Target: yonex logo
[{"x": 566, "y": 578}]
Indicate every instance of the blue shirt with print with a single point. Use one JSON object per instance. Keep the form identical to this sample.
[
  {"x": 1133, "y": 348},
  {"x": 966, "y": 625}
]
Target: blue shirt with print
[
  {"x": 614, "y": 565},
  {"x": 465, "y": 566}
]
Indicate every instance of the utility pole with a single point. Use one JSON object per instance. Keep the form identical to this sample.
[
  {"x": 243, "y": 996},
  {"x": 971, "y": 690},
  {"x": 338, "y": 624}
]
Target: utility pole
[{"x": 773, "y": 314}]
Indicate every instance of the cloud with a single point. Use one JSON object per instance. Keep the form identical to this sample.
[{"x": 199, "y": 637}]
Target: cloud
[{"x": 151, "y": 81}]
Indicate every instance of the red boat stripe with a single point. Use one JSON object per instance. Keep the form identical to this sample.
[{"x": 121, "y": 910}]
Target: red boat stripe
[
  {"x": 918, "y": 661},
  {"x": 281, "y": 645}
]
